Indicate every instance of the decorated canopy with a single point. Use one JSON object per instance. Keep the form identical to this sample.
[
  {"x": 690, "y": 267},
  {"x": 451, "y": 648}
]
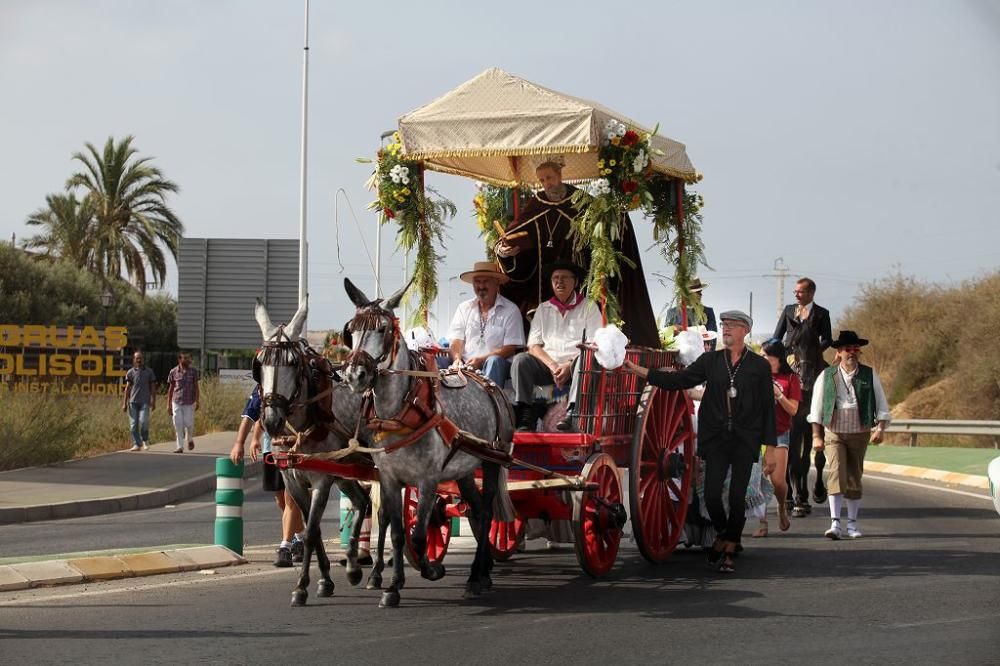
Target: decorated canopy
[{"x": 497, "y": 128}]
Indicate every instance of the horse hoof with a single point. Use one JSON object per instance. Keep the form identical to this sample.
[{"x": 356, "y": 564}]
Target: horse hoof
[
  {"x": 374, "y": 582},
  {"x": 472, "y": 591},
  {"x": 324, "y": 588},
  {"x": 390, "y": 599},
  {"x": 299, "y": 598},
  {"x": 354, "y": 576},
  {"x": 433, "y": 572}
]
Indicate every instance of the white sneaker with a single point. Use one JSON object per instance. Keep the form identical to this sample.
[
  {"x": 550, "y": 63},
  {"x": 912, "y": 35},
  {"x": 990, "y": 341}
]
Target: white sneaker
[
  {"x": 834, "y": 531},
  {"x": 136, "y": 447},
  {"x": 852, "y": 530},
  {"x": 145, "y": 446},
  {"x": 179, "y": 449}
]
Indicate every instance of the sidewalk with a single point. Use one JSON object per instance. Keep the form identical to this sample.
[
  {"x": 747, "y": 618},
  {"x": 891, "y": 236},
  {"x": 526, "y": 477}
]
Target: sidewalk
[
  {"x": 962, "y": 467},
  {"x": 113, "y": 482}
]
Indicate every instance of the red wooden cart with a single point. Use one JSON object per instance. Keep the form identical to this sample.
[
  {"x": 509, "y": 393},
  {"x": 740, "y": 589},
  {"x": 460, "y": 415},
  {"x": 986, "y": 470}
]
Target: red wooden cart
[{"x": 483, "y": 130}]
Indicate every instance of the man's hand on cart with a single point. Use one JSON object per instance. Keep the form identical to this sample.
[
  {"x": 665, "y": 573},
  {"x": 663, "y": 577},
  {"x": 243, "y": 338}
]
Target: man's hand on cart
[
  {"x": 635, "y": 369},
  {"x": 562, "y": 373}
]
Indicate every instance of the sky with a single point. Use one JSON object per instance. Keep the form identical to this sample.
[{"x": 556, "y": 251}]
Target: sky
[{"x": 849, "y": 140}]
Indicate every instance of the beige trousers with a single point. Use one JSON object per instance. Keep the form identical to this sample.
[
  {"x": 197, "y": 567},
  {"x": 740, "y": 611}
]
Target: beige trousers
[{"x": 845, "y": 463}]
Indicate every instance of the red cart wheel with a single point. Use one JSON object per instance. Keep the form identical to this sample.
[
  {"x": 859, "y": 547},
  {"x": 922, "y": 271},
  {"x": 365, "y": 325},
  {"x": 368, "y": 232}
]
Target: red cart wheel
[
  {"x": 598, "y": 516},
  {"x": 661, "y": 471},
  {"x": 438, "y": 527},
  {"x": 504, "y": 536}
]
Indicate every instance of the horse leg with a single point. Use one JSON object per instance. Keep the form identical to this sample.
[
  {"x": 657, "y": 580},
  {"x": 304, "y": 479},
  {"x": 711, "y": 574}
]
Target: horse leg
[
  {"x": 301, "y": 497},
  {"x": 491, "y": 486},
  {"x": 359, "y": 498},
  {"x": 375, "y": 578},
  {"x": 471, "y": 495},
  {"x": 314, "y": 536},
  {"x": 426, "y": 502},
  {"x": 392, "y": 505}
]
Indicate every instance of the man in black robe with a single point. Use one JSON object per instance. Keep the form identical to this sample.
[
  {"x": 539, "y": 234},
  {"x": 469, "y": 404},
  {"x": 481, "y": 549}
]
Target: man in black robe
[{"x": 547, "y": 219}]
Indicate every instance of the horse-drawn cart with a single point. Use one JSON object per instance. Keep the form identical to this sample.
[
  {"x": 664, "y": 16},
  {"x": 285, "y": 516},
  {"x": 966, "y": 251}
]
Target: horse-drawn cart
[{"x": 619, "y": 423}]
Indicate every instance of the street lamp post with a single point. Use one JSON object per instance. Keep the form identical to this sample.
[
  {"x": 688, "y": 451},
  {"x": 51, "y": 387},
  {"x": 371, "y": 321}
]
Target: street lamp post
[{"x": 107, "y": 300}]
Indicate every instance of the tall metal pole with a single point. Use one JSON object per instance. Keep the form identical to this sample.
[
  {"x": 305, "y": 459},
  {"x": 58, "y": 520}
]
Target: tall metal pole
[{"x": 303, "y": 245}]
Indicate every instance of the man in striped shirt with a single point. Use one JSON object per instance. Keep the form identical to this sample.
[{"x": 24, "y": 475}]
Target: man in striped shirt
[
  {"x": 849, "y": 410},
  {"x": 182, "y": 400}
]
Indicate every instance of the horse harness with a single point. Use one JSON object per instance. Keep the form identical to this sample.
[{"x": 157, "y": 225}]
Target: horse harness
[{"x": 421, "y": 411}]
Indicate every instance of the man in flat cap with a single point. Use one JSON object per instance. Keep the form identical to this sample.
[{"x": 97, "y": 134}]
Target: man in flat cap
[{"x": 736, "y": 417}]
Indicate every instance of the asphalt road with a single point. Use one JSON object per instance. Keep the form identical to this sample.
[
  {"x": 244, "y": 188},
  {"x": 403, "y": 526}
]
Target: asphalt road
[{"x": 920, "y": 587}]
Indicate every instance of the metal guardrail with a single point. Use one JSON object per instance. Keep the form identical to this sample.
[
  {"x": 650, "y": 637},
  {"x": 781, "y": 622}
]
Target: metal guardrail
[{"x": 914, "y": 427}]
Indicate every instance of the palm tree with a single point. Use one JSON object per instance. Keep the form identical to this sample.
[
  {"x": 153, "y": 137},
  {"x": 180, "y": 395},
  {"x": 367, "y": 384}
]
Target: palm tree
[
  {"x": 130, "y": 209},
  {"x": 69, "y": 229}
]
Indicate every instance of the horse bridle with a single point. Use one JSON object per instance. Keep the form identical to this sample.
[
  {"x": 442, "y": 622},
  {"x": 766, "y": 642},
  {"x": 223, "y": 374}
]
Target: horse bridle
[
  {"x": 273, "y": 353},
  {"x": 365, "y": 322}
]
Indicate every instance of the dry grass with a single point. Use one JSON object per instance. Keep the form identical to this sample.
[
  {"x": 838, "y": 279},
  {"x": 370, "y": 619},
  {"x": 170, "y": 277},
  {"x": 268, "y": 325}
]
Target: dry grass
[
  {"x": 937, "y": 349},
  {"x": 38, "y": 429}
]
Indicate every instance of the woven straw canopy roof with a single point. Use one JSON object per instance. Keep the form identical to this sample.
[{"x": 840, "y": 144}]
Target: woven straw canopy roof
[{"x": 497, "y": 128}]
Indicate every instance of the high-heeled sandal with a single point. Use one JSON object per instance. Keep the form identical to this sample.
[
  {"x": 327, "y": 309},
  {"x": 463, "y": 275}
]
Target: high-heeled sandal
[{"x": 716, "y": 552}]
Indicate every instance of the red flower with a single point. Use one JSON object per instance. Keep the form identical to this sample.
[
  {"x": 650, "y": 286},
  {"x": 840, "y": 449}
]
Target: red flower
[
  {"x": 629, "y": 186},
  {"x": 630, "y": 138},
  {"x": 388, "y": 213}
]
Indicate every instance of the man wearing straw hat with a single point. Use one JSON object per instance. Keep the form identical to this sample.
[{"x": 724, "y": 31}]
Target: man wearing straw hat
[
  {"x": 488, "y": 329},
  {"x": 674, "y": 313}
]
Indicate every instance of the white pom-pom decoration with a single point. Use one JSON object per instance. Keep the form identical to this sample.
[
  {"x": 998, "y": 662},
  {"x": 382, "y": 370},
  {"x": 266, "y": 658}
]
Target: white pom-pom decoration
[
  {"x": 689, "y": 345},
  {"x": 610, "y": 343}
]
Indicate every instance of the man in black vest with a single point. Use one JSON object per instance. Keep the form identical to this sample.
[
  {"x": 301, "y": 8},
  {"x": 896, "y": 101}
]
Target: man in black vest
[
  {"x": 804, "y": 328},
  {"x": 735, "y": 418},
  {"x": 848, "y": 410}
]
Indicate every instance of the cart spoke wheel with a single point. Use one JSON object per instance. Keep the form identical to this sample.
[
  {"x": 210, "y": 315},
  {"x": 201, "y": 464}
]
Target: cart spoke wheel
[
  {"x": 661, "y": 471},
  {"x": 504, "y": 537},
  {"x": 438, "y": 528},
  {"x": 598, "y": 516}
]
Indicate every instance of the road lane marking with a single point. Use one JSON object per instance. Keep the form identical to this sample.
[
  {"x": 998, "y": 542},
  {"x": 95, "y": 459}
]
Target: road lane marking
[
  {"x": 954, "y": 620},
  {"x": 929, "y": 487}
]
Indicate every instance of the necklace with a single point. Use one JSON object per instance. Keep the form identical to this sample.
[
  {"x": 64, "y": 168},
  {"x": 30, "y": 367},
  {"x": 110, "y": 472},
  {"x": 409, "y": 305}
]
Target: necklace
[
  {"x": 732, "y": 373},
  {"x": 551, "y": 229},
  {"x": 483, "y": 317}
]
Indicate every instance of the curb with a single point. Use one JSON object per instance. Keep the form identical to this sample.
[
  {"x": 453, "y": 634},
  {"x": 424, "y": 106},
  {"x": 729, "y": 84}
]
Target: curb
[
  {"x": 956, "y": 478},
  {"x": 110, "y": 567},
  {"x": 152, "y": 499}
]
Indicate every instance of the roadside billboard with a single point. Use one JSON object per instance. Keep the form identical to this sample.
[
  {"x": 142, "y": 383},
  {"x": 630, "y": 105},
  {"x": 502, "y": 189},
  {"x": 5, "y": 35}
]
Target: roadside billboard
[{"x": 81, "y": 360}]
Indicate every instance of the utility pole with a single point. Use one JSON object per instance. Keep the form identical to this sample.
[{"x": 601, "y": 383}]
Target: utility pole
[
  {"x": 303, "y": 243},
  {"x": 781, "y": 272}
]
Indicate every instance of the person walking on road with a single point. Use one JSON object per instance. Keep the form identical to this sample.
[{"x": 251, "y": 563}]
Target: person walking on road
[
  {"x": 290, "y": 550},
  {"x": 138, "y": 400},
  {"x": 182, "y": 400},
  {"x": 736, "y": 416},
  {"x": 848, "y": 411},
  {"x": 804, "y": 329}
]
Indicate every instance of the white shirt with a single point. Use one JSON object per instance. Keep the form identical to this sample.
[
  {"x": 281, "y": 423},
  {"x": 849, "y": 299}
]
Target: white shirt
[
  {"x": 846, "y": 398},
  {"x": 808, "y": 307},
  {"x": 504, "y": 326},
  {"x": 560, "y": 335}
]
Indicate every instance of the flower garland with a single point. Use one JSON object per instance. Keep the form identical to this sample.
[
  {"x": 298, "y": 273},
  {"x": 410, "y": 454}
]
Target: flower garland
[
  {"x": 625, "y": 182},
  {"x": 421, "y": 216}
]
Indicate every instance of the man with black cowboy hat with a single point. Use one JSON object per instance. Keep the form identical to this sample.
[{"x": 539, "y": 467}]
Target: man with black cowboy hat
[
  {"x": 559, "y": 325},
  {"x": 487, "y": 330},
  {"x": 546, "y": 220},
  {"x": 674, "y": 313},
  {"x": 849, "y": 410},
  {"x": 736, "y": 417}
]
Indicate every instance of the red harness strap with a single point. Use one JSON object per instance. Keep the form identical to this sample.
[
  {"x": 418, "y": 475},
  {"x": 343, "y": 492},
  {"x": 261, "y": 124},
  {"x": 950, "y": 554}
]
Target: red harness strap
[{"x": 420, "y": 413}]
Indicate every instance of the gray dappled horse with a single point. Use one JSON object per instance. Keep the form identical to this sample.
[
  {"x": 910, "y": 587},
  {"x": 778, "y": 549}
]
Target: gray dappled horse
[
  {"x": 297, "y": 390},
  {"x": 379, "y": 367}
]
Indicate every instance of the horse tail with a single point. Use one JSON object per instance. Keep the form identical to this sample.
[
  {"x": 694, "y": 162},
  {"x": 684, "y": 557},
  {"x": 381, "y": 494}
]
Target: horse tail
[{"x": 503, "y": 506}]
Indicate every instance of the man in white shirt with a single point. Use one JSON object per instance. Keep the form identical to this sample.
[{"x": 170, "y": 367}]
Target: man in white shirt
[
  {"x": 848, "y": 410},
  {"x": 487, "y": 330},
  {"x": 559, "y": 325}
]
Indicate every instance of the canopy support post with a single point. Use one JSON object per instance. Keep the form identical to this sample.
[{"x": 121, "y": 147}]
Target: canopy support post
[{"x": 679, "y": 188}]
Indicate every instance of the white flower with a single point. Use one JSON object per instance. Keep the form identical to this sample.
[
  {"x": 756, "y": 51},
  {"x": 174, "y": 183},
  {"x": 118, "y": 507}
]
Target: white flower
[
  {"x": 400, "y": 174},
  {"x": 641, "y": 160},
  {"x": 599, "y": 187},
  {"x": 613, "y": 129}
]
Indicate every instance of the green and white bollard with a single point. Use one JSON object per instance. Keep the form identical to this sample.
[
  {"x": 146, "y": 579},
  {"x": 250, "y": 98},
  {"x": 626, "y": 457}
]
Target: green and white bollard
[
  {"x": 347, "y": 518},
  {"x": 229, "y": 505}
]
